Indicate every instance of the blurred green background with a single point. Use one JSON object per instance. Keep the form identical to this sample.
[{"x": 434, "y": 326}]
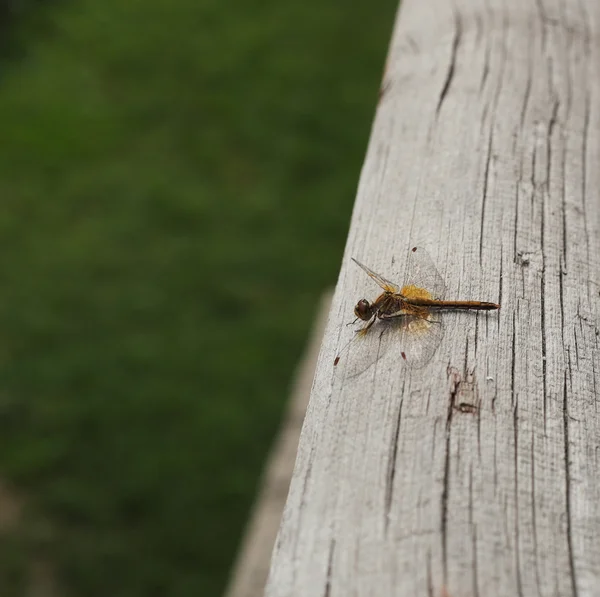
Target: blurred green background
[{"x": 176, "y": 181}]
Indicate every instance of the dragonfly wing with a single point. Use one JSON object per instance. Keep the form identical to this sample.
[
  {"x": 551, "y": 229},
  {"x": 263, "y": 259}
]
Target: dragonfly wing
[
  {"x": 367, "y": 346},
  {"x": 385, "y": 284},
  {"x": 422, "y": 273},
  {"x": 418, "y": 338},
  {"x": 409, "y": 339}
]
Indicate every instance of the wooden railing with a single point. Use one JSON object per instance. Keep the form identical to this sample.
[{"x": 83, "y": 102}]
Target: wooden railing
[{"x": 477, "y": 474}]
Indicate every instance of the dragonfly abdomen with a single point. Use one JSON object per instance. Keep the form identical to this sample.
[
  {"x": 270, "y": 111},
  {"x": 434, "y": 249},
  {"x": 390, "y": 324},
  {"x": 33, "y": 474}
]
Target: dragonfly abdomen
[{"x": 433, "y": 304}]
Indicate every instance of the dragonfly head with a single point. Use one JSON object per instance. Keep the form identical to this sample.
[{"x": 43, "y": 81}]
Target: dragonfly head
[{"x": 364, "y": 310}]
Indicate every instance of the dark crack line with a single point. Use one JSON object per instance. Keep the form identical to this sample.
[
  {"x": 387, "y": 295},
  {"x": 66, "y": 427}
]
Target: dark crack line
[
  {"x": 594, "y": 375},
  {"x": 306, "y": 481},
  {"x": 570, "y": 366},
  {"x": 543, "y": 324},
  {"x": 490, "y": 141},
  {"x": 551, "y": 124},
  {"x": 446, "y": 488},
  {"x": 486, "y": 62},
  {"x": 533, "y": 513},
  {"x": 516, "y": 467},
  {"x": 532, "y": 180},
  {"x": 476, "y": 335},
  {"x": 478, "y": 427},
  {"x": 435, "y": 424},
  {"x": 500, "y": 281},
  {"x": 389, "y": 488},
  {"x": 486, "y": 178},
  {"x": 543, "y": 18},
  {"x": 513, "y": 398},
  {"x": 564, "y": 225},
  {"x": 486, "y": 68},
  {"x": 586, "y": 131},
  {"x": 516, "y": 222},
  {"x": 451, "y": 68},
  {"x": 329, "y": 569},
  {"x": 473, "y": 535},
  {"x": 495, "y": 459},
  {"x": 589, "y": 59},
  {"x": 568, "y": 490},
  {"x": 429, "y": 576},
  {"x": 527, "y": 93}
]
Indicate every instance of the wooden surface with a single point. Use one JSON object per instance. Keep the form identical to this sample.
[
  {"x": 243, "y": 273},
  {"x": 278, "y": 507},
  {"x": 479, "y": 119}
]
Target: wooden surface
[
  {"x": 251, "y": 569},
  {"x": 485, "y": 150}
]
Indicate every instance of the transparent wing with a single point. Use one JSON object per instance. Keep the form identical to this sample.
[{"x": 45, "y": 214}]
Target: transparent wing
[
  {"x": 408, "y": 339},
  {"x": 385, "y": 284},
  {"x": 422, "y": 273},
  {"x": 418, "y": 338},
  {"x": 361, "y": 351}
]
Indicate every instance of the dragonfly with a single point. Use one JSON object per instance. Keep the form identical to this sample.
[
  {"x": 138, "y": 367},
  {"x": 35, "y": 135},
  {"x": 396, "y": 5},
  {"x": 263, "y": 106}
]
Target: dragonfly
[{"x": 412, "y": 310}]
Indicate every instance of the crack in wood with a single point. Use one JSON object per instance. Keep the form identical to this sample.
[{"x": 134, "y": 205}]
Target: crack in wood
[
  {"x": 543, "y": 17},
  {"x": 389, "y": 486},
  {"x": 327, "y": 592},
  {"x": 486, "y": 176},
  {"x": 429, "y": 576},
  {"x": 473, "y": 536},
  {"x": 586, "y": 131},
  {"x": 516, "y": 498},
  {"x": 568, "y": 489},
  {"x": 513, "y": 343},
  {"x": 453, "y": 56},
  {"x": 533, "y": 513}
]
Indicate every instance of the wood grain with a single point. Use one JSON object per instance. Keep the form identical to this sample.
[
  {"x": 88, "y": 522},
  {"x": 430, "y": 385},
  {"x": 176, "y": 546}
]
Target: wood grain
[{"x": 479, "y": 474}]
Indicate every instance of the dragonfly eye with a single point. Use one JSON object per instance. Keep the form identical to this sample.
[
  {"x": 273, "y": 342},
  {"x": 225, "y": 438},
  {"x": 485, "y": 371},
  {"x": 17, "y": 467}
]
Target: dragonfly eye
[{"x": 363, "y": 310}]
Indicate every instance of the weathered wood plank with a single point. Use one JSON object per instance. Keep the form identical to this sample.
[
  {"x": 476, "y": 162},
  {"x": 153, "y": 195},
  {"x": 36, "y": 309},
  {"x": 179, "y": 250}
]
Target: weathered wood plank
[{"x": 486, "y": 151}]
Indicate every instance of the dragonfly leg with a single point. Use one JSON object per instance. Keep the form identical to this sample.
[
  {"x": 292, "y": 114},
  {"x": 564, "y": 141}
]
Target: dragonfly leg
[
  {"x": 424, "y": 316},
  {"x": 393, "y": 316},
  {"x": 367, "y": 327}
]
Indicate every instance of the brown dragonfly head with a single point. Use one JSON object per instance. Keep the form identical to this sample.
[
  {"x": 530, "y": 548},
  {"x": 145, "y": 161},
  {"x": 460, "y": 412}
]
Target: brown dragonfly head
[{"x": 364, "y": 310}]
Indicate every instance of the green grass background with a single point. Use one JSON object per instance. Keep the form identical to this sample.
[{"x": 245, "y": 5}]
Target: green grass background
[{"x": 176, "y": 183}]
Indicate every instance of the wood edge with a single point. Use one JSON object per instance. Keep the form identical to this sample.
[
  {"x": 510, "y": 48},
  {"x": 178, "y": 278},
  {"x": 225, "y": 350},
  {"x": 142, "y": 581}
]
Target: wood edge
[{"x": 249, "y": 573}]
